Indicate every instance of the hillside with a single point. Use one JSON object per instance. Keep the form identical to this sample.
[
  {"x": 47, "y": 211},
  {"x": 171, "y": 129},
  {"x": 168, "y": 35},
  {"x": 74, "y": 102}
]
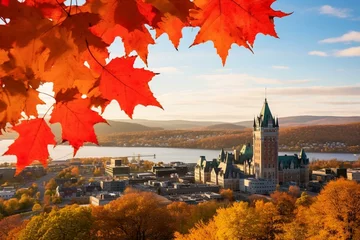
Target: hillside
[
  {"x": 101, "y": 129},
  {"x": 171, "y": 124},
  {"x": 225, "y": 126},
  {"x": 325, "y": 138},
  {"x": 308, "y": 121}
]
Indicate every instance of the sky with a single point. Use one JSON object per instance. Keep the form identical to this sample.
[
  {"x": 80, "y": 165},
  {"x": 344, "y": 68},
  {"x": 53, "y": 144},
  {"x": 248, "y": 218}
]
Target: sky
[{"x": 312, "y": 69}]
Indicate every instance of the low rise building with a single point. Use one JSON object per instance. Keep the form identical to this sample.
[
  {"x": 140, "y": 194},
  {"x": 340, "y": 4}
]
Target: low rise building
[
  {"x": 62, "y": 181},
  {"x": 117, "y": 169},
  {"x": 68, "y": 192},
  {"x": 114, "y": 185},
  {"x": 353, "y": 174},
  {"x": 7, "y": 194},
  {"x": 103, "y": 198},
  {"x": 257, "y": 186},
  {"x": 195, "y": 198},
  {"x": 181, "y": 188},
  {"x": 323, "y": 175}
]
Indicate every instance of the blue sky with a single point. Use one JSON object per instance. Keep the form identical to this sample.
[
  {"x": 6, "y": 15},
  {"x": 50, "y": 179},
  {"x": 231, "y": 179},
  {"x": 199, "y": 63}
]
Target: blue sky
[{"x": 313, "y": 69}]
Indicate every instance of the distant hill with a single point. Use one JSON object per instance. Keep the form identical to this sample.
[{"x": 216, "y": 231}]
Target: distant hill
[
  {"x": 171, "y": 124},
  {"x": 308, "y": 121},
  {"x": 318, "y": 138},
  {"x": 225, "y": 126},
  {"x": 101, "y": 129}
]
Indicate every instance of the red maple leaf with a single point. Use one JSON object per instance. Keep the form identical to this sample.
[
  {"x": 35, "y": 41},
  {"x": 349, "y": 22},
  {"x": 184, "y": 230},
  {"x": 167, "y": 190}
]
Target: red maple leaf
[
  {"x": 77, "y": 119},
  {"x": 32, "y": 143},
  {"x": 127, "y": 85},
  {"x": 233, "y": 21}
]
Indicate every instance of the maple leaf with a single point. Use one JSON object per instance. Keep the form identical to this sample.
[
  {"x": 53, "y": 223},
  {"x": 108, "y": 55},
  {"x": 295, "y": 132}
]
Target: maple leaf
[
  {"x": 171, "y": 17},
  {"x": 32, "y": 143},
  {"x": 50, "y": 8},
  {"x": 125, "y": 19},
  {"x": 15, "y": 98},
  {"x": 76, "y": 118},
  {"x": 3, "y": 56},
  {"x": 12, "y": 99},
  {"x": 127, "y": 85},
  {"x": 233, "y": 21},
  {"x": 32, "y": 100},
  {"x": 26, "y": 24}
]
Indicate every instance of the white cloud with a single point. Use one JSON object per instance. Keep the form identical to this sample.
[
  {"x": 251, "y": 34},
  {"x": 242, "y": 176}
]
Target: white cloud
[
  {"x": 336, "y": 12},
  {"x": 349, "y": 52},
  {"x": 238, "y": 80},
  {"x": 318, "y": 53},
  {"x": 280, "y": 67},
  {"x": 352, "y": 36}
]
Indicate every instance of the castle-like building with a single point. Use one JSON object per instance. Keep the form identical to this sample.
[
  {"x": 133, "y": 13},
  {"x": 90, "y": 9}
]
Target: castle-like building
[{"x": 257, "y": 168}]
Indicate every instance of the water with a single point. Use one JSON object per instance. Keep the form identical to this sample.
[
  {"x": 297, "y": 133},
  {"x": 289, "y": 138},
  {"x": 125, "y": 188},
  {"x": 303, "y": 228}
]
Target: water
[{"x": 165, "y": 155}]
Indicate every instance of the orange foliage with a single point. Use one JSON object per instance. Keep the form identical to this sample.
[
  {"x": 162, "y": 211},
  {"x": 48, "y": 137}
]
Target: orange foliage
[{"x": 66, "y": 44}]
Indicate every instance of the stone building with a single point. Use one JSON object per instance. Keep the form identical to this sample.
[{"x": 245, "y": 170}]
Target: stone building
[
  {"x": 294, "y": 168},
  {"x": 259, "y": 163}
]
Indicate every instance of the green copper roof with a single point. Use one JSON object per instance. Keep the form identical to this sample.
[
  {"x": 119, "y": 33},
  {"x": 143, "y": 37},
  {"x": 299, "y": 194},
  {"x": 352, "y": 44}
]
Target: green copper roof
[
  {"x": 247, "y": 150},
  {"x": 265, "y": 117}
]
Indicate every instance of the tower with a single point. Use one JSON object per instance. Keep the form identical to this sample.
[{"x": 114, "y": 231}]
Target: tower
[{"x": 265, "y": 140}]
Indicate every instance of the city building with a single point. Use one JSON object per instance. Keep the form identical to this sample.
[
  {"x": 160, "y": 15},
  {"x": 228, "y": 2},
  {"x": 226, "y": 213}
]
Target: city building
[
  {"x": 178, "y": 168},
  {"x": 353, "y": 174},
  {"x": 117, "y": 169},
  {"x": 259, "y": 163},
  {"x": 114, "y": 185},
  {"x": 7, "y": 194},
  {"x": 294, "y": 168},
  {"x": 181, "y": 188},
  {"x": 102, "y": 199},
  {"x": 68, "y": 192},
  {"x": 257, "y": 186}
]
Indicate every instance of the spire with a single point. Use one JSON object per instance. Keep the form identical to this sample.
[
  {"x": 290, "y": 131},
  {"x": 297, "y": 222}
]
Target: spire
[
  {"x": 254, "y": 125},
  {"x": 265, "y": 115}
]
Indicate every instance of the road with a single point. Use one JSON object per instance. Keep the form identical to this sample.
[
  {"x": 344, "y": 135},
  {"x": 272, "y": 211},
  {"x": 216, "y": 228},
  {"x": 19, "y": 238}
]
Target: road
[{"x": 40, "y": 182}]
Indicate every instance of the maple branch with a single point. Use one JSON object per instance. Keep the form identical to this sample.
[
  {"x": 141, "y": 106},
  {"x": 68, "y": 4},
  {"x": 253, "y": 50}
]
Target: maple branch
[
  {"x": 62, "y": 7},
  {"x": 46, "y": 94},
  {"x": 104, "y": 68},
  {"x": 47, "y": 111}
]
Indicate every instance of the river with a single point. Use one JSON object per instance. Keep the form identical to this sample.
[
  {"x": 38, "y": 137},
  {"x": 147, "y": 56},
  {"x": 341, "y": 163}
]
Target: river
[{"x": 165, "y": 155}]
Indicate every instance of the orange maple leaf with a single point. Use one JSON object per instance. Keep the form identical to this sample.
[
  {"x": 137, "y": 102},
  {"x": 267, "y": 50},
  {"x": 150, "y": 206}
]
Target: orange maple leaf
[
  {"x": 126, "y": 19},
  {"x": 15, "y": 99},
  {"x": 233, "y": 21},
  {"x": 171, "y": 17},
  {"x": 127, "y": 85},
  {"x": 32, "y": 143},
  {"x": 76, "y": 118}
]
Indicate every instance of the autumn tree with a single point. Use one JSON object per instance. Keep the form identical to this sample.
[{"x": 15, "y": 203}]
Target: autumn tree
[
  {"x": 8, "y": 224},
  {"x": 294, "y": 191},
  {"x": 285, "y": 204},
  {"x": 37, "y": 207},
  {"x": 304, "y": 200},
  {"x": 336, "y": 212},
  {"x": 71, "y": 222},
  {"x": 227, "y": 194},
  {"x": 200, "y": 231},
  {"x": 51, "y": 185},
  {"x": 133, "y": 216},
  {"x": 75, "y": 172}
]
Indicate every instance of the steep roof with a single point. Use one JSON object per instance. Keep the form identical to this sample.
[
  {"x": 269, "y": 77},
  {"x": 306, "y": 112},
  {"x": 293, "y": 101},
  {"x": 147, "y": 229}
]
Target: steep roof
[{"x": 265, "y": 117}]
